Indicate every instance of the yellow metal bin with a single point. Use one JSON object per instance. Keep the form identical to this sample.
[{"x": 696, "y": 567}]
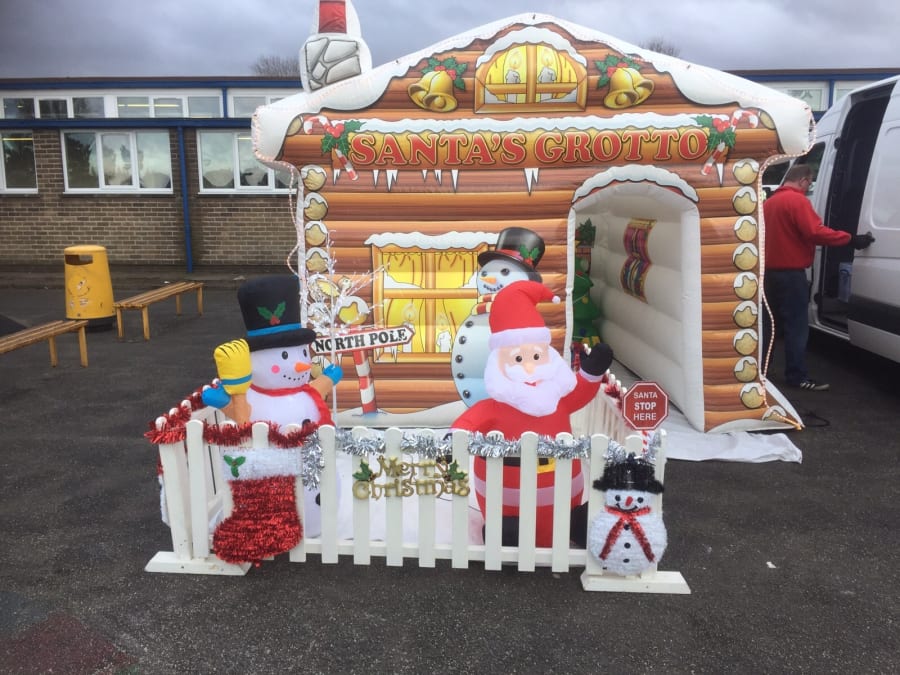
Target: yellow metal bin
[{"x": 89, "y": 293}]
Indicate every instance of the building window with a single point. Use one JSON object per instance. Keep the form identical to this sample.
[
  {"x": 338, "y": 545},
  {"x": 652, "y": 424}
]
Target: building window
[
  {"x": 88, "y": 107},
  {"x": 841, "y": 89},
  {"x": 168, "y": 107},
  {"x": 814, "y": 94},
  {"x": 17, "y": 171},
  {"x": 430, "y": 290},
  {"x": 245, "y": 106},
  {"x": 18, "y": 108},
  {"x": 204, "y": 106},
  {"x": 133, "y": 106},
  {"x": 117, "y": 160},
  {"x": 53, "y": 108},
  {"x": 227, "y": 162}
]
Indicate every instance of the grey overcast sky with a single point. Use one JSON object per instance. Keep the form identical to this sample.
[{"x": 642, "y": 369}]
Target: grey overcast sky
[{"x": 77, "y": 38}]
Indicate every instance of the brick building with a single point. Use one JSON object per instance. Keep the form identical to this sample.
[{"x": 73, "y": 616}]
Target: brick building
[{"x": 161, "y": 171}]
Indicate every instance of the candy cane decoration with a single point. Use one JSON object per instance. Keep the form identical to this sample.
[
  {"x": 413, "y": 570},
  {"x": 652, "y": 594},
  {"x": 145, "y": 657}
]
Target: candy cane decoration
[
  {"x": 738, "y": 115},
  {"x": 366, "y": 380},
  {"x": 333, "y": 130},
  {"x": 717, "y": 158}
]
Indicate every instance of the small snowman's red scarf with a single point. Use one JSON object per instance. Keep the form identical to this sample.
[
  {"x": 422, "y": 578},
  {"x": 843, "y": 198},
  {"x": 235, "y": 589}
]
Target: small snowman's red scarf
[{"x": 627, "y": 518}]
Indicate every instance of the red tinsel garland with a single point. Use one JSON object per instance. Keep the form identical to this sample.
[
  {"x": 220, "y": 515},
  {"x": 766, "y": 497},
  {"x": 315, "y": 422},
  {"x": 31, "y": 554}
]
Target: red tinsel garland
[{"x": 174, "y": 422}]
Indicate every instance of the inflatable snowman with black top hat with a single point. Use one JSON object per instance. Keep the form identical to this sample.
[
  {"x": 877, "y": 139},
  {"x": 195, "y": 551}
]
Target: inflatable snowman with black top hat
[
  {"x": 273, "y": 366},
  {"x": 281, "y": 388},
  {"x": 515, "y": 257},
  {"x": 628, "y": 536}
]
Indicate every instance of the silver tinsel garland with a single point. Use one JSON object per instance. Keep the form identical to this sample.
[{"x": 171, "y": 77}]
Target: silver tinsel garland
[{"x": 432, "y": 446}]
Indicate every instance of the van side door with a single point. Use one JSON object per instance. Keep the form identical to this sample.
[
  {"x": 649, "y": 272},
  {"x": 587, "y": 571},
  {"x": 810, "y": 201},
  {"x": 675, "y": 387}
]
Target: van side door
[{"x": 873, "y": 319}]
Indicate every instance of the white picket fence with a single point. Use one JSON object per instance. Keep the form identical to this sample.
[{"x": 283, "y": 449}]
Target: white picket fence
[{"x": 196, "y": 495}]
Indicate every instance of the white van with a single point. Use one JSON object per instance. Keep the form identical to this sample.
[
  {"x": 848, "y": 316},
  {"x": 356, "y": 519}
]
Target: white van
[{"x": 856, "y": 160}]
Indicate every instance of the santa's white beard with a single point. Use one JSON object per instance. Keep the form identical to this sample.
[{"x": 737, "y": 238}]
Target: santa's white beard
[{"x": 552, "y": 381}]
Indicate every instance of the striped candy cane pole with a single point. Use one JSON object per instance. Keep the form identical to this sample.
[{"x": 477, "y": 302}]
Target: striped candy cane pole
[
  {"x": 645, "y": 442},
  {"x": 333, "y": 131},
  {"x": 366, "y": 380}
]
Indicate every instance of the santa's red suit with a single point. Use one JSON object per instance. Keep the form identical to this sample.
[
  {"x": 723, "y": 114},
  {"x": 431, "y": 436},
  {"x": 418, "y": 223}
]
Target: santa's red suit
[
  {"x": 514, "y": 320},
  {"x": 490, "y": 415}
]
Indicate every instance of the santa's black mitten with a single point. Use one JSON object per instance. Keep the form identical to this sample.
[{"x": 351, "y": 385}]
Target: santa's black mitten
[{"x": 597, "y": 361}]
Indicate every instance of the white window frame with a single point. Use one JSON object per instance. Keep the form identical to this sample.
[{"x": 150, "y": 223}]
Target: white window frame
[
  {"x": 235, "y": 168},
  {"x": 102, "y": 188},
  {"x": 3, "y": 186}
]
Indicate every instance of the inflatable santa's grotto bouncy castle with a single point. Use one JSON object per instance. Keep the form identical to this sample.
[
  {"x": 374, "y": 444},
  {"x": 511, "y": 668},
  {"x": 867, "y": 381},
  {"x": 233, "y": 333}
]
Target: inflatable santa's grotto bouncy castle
[{"x": 563, "y": 149}]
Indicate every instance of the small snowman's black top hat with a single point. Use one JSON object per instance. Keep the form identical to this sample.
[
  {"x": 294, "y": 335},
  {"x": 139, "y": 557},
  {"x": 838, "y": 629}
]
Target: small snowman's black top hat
[
  {"x": 519, "y": 246},
  {"x": 271, "y": 310},
  {"x": 632, "y": 474}
]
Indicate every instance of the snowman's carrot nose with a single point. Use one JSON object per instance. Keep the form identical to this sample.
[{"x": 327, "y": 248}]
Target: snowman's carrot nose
[
  {"x": 299, "y": 367},
  {"x": 628, "y": 501}
]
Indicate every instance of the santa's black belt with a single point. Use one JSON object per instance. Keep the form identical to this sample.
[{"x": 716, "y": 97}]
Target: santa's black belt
[{"x": 515, "y": 461}]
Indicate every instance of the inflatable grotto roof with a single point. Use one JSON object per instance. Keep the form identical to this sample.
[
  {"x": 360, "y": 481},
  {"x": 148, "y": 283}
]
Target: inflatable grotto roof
[{"x": 637, "y": 169}]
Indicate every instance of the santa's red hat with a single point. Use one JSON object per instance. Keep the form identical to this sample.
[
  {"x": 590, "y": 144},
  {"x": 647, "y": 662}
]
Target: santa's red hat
[{"x": 514, "y": 317}]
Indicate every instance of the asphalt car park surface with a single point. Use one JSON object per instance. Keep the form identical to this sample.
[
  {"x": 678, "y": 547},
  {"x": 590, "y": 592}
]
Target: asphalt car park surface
[{"x": 792, "y": 566}]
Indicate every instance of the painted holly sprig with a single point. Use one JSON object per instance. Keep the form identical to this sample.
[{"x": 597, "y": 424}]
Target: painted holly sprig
[
  {"x": 611, "y": 64},
  {"x": 273, "y": 317},
  {"x": 365, "y": 472},
  {"x": 719, "y": 130},
  {"x": 337, "y": 136},
  {"x": 454, "y": 472},
  {"x": 234, "y": 463},
  {"x": 529, "y": 254},
  {"x": 454, "y": 69}
]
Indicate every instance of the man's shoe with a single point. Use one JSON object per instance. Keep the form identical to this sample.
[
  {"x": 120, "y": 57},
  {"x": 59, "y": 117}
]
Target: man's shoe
[{"x": 812, "y": 385}]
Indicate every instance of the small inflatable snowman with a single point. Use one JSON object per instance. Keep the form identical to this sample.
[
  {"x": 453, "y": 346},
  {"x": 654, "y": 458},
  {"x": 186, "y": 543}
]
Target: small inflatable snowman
[
  {"x": 514, "y": 258},
  {"x": 628, "y": 536}
]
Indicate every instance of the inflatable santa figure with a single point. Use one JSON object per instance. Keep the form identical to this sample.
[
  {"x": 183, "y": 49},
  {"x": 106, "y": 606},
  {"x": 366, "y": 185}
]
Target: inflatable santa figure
[
  {"x": 274, "y": 364},
  {"x": 628, "y": 536},
  {"x": 530, "y": 388},
  {"x": 514, "y": 258}
]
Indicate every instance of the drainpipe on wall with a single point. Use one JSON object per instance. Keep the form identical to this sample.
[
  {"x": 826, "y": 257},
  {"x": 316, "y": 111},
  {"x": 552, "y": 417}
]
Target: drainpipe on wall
[{"x": 185, "y": 210}]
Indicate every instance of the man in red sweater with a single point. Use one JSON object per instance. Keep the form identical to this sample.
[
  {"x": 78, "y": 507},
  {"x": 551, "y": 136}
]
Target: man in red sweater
[{"x": 793, "y": 230}]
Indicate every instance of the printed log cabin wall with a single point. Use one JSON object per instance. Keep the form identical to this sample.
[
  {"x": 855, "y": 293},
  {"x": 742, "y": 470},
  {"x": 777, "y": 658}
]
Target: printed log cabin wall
[{"x": 410, "y": 170}]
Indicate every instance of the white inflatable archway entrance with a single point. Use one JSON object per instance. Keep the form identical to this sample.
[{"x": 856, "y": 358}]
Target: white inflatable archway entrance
[{"x": 648, "y": 288}]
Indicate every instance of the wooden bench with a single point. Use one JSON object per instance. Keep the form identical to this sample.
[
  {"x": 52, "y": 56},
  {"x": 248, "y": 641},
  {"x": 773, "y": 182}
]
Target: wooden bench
[
  {"x": 48, "y": 332},
  {"x": 142, "y": 301}
]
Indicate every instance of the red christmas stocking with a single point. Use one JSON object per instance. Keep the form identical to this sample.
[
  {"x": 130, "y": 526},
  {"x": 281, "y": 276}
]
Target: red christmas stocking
[{"x": 264, "y": 520}]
